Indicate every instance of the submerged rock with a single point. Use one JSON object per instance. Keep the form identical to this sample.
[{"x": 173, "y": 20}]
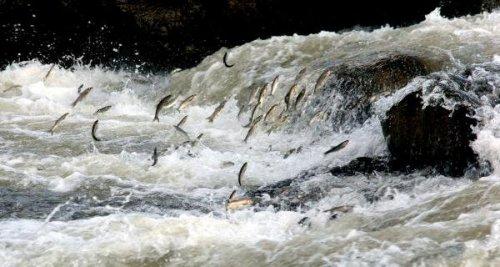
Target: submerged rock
[{"x": 433, "y": 136}]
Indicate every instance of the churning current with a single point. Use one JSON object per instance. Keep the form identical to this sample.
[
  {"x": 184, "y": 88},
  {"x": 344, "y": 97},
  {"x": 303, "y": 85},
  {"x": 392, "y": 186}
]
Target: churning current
[{"x": 68, "y": 199}]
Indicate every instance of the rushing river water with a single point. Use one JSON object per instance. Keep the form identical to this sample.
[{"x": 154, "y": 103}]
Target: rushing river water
[{"x": 68, "y": 200}]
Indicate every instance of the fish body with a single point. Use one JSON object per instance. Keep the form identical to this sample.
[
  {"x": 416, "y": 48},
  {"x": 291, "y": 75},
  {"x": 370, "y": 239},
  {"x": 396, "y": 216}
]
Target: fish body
[
  {"x": 155, "y": 157},
  {"x": 337, "y": 147},
  {"x": 239, "y": 203},
  {"x": 299, "y": 98},
  {"x": 11, "y": 88},
  {"x": 288, "y": 95},
  {"x": 317, "y": 117},
  {"x": 180, "y": 130},
  {"x": 224, "y": 60},
  {"x": 249, "y": 133},
  {"x": 182, "y": 121},
  {"x": 94, "y": 130},
  {"x": 216, "y": 112},
  {"x": 243, "y": 169},
  {"x": 48, "y": 73},
  {"x": 186, "y": 102},
  {"x": 81, "y": 96},
  {"x": 344, "y": 209},
  {"x": 165, "y": 102},
  {"x": 103, "y": 109},
  {"x": 270, "y": 111},
  {"x": 56, "y": 123},
  {"x": 321, "y": 80},
  {"x": 274, "y": 84},
  {"x": 300, "y": 75}
]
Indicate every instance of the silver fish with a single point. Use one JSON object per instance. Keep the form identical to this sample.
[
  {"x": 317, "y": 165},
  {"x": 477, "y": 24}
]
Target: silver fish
[
  {"x": 182, "y": 121},
  {"x": 155, "y": 157},
  {"x": 217, "y": 110},
  {"x": 231, "y": 197},
  {"x": 56, "y": 123},
  {"x": 317, "y": 117},
  {"x": 321, "y": 80},
  {"x": 249, "y": 133},
  {"x": 94, "y": 130},
  {"x": 288, "y": 95},
  {"x": 274, "y": 84},
  {"x": 179, "y": 129},
  {"x": 255, "y": 121},
  {"x": 103, "y": 109},
  {"x": 240, "y": 112},
  {"x": 166, "y": 102},
  {"x": 239, "y": 203},
  {"x": 243, "y": 169},
  {"x": 186, "y": 101},
  {"x": 254, "y": 109},
  {"x": 337, "y": 147},
  {"x": 270, "y": 111},
  {"x": 262, "y": 93},
  {"x": 48, "y": 73},
  {"x": 224, "y": 60},
  {"x": 344, "y": 209},
  {"x": 300, "y": 96},
  {"x": 300, "y": 75},
  {"x": 81, "y": 96},
  {"x": 11, "y": 88},
  {"x": 227, "y": 164}
]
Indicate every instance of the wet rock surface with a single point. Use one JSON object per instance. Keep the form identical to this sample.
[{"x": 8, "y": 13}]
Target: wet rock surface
[
  {"x": 361, "y": 80},
  {"x": 433, "y": 136}
]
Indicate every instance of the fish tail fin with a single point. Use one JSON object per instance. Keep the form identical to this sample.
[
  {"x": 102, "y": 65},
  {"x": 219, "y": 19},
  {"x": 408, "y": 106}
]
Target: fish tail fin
[{"x": 156, "y": 119}]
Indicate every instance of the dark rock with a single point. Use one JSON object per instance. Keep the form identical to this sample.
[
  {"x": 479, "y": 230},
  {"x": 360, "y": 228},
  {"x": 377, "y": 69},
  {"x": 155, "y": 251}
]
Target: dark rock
[
  {"x": 355, "y": 84},
  {"x": 168, "y": 34},
  {"x": 363, "y": 165},
  {"x": 435, "y": 137}
]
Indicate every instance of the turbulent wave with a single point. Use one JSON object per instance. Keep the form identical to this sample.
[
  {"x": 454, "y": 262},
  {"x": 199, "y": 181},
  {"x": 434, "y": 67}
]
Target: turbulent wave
[{"x": 66, "y": 198}]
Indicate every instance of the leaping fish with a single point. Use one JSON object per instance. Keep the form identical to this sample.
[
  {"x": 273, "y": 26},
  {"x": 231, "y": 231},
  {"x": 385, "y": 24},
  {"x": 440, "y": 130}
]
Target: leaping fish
[
  {"x": 164, "y": 102},
  {"x": 239, "y": 203},
  {"x": 224, "y": 60},
  {"x": 56, "y": 123},
  {"x": 217, "y": 110},
  {"x": 249, "y": 133},
  {"x": 322, "y": 78},
  {"x": 48, "y": 73},
  {"x": 231, "y": 197},
  {"x": 274, "y": 84},
  {"x": 270, "y": 111},
  {"x": 81, "y": 96},
  {"x": 253, "y": 122},
  {"x": 102, "y": 110},
  {"x": 300, "y": 75},
  {"x": 155, "y": 157},
  {"x": 94, "y": 130},
  {"x": 180, "y": 130},
  {"x": 79, "y": 90},
  {"x": 11, "y": 88},
  {"x": 243, "y": 169},
  {"x": 337, "y": 147},
  {"x": 288, "y": 95},
  {"x": 182, "y": 121},
  {"x": 300, "y": 96},
  {"x": 186, "y": 101}
]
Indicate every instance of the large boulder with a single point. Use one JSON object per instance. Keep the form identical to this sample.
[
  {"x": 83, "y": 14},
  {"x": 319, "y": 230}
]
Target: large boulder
[
  {"x": 357, "y": 82},
  {"x": 433, "y": 136}
]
